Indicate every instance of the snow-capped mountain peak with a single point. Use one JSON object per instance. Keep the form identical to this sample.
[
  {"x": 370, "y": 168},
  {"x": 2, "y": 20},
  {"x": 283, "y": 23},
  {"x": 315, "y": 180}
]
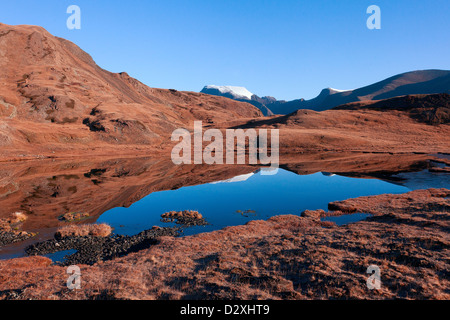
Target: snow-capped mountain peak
[
  {"x": 333, "y": 90},
  {"x": 232, "y": 91}
]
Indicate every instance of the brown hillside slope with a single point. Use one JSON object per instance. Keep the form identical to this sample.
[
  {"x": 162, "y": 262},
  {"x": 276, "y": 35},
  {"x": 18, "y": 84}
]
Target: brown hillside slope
[
  {"x": 431, "y": 109},
  {"x": 416, "y": 123},
  {"x": 54, "y": 98}
]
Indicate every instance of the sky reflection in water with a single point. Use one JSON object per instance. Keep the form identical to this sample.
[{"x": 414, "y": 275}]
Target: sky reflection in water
[{"x": 225, "y": 203}]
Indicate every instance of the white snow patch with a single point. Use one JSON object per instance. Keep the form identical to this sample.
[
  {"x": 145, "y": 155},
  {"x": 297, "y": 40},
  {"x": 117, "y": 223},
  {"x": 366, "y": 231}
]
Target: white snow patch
[
  {"x": 237, "y": 92},
  {"x": 240, "y": 178},
  {"x": 337, "y": 90}
]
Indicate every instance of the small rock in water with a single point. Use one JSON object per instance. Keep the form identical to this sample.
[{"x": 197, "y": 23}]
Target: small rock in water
[
  {"x": 186, "y": 218},
  {"x": 313, "y": 213}
]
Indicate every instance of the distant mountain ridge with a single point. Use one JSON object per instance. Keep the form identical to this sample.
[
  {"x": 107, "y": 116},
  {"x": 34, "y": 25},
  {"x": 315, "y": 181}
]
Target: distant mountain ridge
[
  {"x": 240, "y": 94},
  {"x": 232, "y": 92},
  {"x": 414, "y": 82}
]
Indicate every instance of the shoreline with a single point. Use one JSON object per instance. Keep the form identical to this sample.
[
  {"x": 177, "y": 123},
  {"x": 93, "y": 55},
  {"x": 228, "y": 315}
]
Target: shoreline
[{"x": 148, "y": 154}]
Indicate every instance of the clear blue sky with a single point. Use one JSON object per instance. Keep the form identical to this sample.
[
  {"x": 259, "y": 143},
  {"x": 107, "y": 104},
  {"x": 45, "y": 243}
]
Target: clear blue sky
[{"x": 286, "y": 48}]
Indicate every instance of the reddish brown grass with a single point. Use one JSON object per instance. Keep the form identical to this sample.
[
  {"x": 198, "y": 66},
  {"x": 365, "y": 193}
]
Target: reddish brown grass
[
  {"x": 6, "y": 224},
  {"x": 182, "y": 214},
  {"x": 82, "y": 230}
]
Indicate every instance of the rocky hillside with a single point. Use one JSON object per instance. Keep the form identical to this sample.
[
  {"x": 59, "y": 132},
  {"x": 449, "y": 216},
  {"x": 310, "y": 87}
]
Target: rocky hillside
[
  {"x": 54, "y": 98},
  {"x": 418, "y": 123},
  {"x": 431, "y": 109}
]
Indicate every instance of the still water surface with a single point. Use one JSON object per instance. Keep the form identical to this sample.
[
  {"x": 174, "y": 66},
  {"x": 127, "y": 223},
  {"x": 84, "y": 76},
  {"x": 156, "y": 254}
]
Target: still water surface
[{"x": 244, "y": 198}]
